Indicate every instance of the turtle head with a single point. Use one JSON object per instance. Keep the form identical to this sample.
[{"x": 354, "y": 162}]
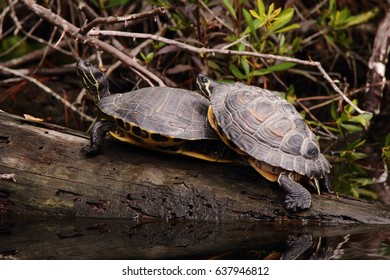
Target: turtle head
[
  {"x": 206, "y": 85},
  {"x": 94, "y": 81}
]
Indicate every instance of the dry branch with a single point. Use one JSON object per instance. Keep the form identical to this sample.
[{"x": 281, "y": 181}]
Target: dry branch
[
  {"x": 74, "y": 32},
  {"x": 112, "y": 20},
  {"x": 46, "y": 89},
  {"x": 90, "y": 39},
  {"x": 201, "y": 51}
]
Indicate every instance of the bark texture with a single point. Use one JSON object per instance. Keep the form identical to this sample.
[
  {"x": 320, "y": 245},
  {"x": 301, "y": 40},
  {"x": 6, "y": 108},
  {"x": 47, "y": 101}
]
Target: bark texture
[{"x": 44, "y": 172}]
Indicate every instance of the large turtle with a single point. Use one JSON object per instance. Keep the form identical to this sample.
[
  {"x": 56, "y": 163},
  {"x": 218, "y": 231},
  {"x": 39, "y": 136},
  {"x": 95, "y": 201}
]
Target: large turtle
[
  {"x": 160, "y": 118},
  {"x": 271, "y": 134}
]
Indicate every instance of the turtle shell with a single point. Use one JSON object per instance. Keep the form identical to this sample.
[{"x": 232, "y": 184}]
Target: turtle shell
[
  {"x": 160, "y": 114},
  {"x": 266, "y": 127}
]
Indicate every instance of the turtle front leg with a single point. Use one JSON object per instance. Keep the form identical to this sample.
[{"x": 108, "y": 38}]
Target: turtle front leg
[
  {"x": 96, "y": 136},
  {"x": 326, "y": 183},
  {"x": 298, "y": 198}
]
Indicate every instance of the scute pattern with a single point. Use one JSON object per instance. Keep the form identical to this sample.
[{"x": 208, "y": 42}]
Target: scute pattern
[
  {"x": 165, "y": 111},
  {"x": 268, "y": 128}
]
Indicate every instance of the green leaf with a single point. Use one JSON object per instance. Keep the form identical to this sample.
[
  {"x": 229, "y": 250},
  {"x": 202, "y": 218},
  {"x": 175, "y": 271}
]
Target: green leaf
[
  {"x": 332, "y": 5},
  {"x": 147, "y": 58},
  {"x": 236, "y": 72},
  {"x": 254, "y": 14},
  {"x": 245, "y": 66},
  {"x": 291, "y": 96},
  {"x": 229, "y": 6},
  {"x": 386, "y": 150},
  {"x": 331, "y": 128},
  {"x": 333, "y": 111},
  {"x": 349, "y": 109},
  {"x": 364, "y": 192},
  {"x": 277, "y": 67},
  {"x": 354, "y": 192},
  {"x": 270, "y": 9},
  {"x": 362, "y": 119},
  {"x": 296, "y": 44},
  {"x": 355, "y": 144},
  {"x": 213, "y": 65},
  {"x": 341, "y": 18},
  {"x": 249, "y": 22},
  {"x": 387, "y": 141},
  {"x": 361, "y": 18},
  {"x": 261, "y": 8},
  {"x": 283, "y": 18},
  {"x": 287, "y": 28},
  {"x": 351, "y": 127}
]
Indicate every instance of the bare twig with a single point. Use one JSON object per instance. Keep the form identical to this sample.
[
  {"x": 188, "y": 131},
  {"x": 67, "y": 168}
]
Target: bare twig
[
  {"x": 13, "y": 16},
  {"x": 47, "y": 89},
  {"x": 31, "y": 56},
  {"x": 203, "y": 51},
  {"x": 73, "y": 31},
  {"x": 2, "y": 17},
  {"x": 221, "y": 21},
  {"x": 111, "y": 20}
]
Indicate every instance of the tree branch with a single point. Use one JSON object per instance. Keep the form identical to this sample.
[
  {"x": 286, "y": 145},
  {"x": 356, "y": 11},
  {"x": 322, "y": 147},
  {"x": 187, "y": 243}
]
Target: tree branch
[
  {"x": 112, "y": 20},
  {"x": 73, "y": 31},
  {"x": 203, "y": 51},
  {"x": 47, "y": 89}
]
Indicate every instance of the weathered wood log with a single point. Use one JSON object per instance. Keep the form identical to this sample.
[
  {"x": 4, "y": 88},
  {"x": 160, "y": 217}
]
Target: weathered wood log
[{"x": 52, "y": 177}]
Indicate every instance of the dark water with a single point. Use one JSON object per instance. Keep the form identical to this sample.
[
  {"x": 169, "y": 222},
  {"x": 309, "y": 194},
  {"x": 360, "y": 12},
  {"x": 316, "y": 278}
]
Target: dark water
[{"x": 38, "y": 238}]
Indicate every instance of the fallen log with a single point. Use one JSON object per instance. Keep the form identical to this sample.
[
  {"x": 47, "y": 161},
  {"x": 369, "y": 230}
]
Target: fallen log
[{"x": 44, "y": 172}]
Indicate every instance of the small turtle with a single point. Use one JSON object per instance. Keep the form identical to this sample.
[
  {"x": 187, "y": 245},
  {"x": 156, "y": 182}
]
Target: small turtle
[
  {"x": 159, "y": 118},
  {"x": 271, "y": 134}
]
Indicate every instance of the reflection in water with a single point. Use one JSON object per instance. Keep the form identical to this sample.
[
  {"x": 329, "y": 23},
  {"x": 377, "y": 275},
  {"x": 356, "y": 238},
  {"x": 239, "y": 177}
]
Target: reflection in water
[{"x": 29, "y": 238}]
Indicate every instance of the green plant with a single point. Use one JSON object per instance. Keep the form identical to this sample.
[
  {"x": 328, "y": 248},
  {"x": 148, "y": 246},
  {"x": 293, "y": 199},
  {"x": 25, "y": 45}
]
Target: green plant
[
  {"x": 14, "y": 46},
  {"x": 339, "y": 21},
  {"x": 147, "y": 57},
  {"x": 274, "y": 20},
  {"x": 349, "y": 176},
  {"x": 347, "y": 120},
  {"x": 261, "y": 24},
  {"x": 386, "y": 150}
]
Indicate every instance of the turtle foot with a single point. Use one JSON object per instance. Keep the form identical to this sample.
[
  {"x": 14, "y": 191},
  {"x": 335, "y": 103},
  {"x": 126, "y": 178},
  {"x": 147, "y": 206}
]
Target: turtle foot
[
  {"x": 297, "y": 198},
  {"x": 90, "y": 151},
  {"x": 294, "y": 204}
]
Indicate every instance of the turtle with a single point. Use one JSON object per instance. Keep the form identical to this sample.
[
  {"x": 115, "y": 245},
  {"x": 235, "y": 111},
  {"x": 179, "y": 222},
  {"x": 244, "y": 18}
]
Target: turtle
[
  {"x": 167, "y": 119},
  {"x": 270, "y": 134}
]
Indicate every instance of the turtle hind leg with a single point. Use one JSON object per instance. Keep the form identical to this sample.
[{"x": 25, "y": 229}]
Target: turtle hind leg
[
  {"x": 96, "y": 136},
  {"x": 298, "y": 198}
]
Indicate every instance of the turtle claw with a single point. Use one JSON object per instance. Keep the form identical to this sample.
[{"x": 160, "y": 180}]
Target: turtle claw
[
  {"x": 294, "y": 204},
  {"x": 97, "y": 134},
  {"x": 90, "y": 151},
  {"x": 297, "y": 198}
]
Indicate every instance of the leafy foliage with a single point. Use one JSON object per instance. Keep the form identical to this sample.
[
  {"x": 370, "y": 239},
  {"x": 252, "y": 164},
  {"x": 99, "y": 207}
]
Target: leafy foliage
[
  {"x": 339, "y": 21},
  {"x": 347, "y": 121},
  {"x": 386, "y": 150}
]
